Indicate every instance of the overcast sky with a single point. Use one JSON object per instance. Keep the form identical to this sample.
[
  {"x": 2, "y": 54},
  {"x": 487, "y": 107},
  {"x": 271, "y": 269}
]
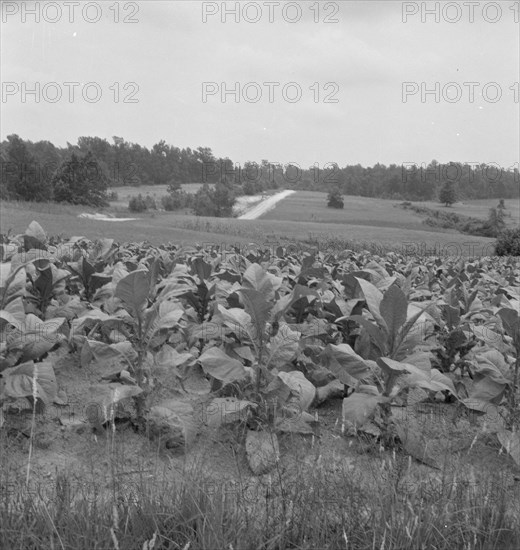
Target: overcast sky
[{"x": 169, "y": 52}]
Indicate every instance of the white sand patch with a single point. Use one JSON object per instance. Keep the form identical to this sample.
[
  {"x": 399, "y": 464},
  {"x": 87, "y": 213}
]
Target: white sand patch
[{"x": 104, "y": 218}]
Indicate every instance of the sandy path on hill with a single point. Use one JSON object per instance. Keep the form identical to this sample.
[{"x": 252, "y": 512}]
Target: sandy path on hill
[{"x": 265, "y": 206}]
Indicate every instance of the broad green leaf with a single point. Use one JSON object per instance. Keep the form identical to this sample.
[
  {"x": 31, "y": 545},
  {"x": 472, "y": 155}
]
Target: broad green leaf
[
  {"x": 102, "y": 248},
  {"x": 30, "y": 380},
  {"x": 393, "y": 308},
  {"x": 166, "y": 316},
  {"x": 373, "y": 297},
  {"x": 344, "y": 363},
  {"x": 277, "y": 393},
  {"x": 133, "y": 290},
  {"x": 13, "y": 286},
  {"x": 494, "y": 359},
  {"x": 200, "y": 268},
  {"x": 258, "y": 309},
  {"x": 219, "y": 365},
  {"x": 86, "y": 321},
  {"x": 282, "y": 347},
  {"x": 35, "y": 236},
  {"x": 68, "y": 306},
  {"x": 490, "y": 337},
  {"x": 431, "y": 380},
  {"x": 256, "y": 278},
  {"x": 239, "y": 322},
  {"x": 12, "y": 317},
  {"x": 170, "y": 357},
  {"x": 226, "y": 410},
  {"x": 38, "y": 337},
  {"x": 173, "y": 423},
  {"x": 301, "y": 386},
  {"x": 234, "y": 318},
  {"x": 421, "y": 359},
  {"x": 106, "y": 355},
  {"x": 245, "y": 353},
  {"x": 511, "y": 322},
  {"x": 359, "y": 409},
  {"x": 377, "y": 334},
  {"x": 5, "y": 271},
  {"x": 489, "y": 389},
  {"x": 414, "y": 331}
]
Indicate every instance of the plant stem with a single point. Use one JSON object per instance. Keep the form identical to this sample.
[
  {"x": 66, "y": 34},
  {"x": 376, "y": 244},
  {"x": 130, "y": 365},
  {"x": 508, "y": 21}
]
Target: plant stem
[{"x": 512, "y": 400}]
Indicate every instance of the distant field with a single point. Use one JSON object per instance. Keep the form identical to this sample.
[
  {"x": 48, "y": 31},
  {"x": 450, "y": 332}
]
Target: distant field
[
  {"x": 480, "y": 209},
  {"x": 311, "y": 207},
  {"x": 365, "y": 223},
  {"x": 126, "y": 192}
]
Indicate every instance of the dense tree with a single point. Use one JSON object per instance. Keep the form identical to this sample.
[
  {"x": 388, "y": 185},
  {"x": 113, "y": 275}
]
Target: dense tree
[
  {"x": 217, "y": 202},
  {"x": 80, "y": 180},
  {"x": 447, "y": 194},
  {"x": 22, "y": 176},
  {"x": 203, "y": 202}
]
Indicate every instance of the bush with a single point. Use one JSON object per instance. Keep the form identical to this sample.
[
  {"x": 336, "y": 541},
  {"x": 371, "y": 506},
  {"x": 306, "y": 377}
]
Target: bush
[
  {"x": 176, "y": 200},
  {"x": 508, "y": 243},
  {"x": 334, "y": 199},
  {"x": 137, "y": 204},
  {"x": 217, "y": 202},
  {"x": 150, "y": 202},
  {"x": 112, "y": 196}
]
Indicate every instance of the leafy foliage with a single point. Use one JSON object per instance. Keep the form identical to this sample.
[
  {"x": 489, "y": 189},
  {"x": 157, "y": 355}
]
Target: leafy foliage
[
  {"x": 217, "y": 202},
  {"x": 137, "y": 204},
  {"x": 508, "y": 243},
  {"x": 263, "y": 337}
]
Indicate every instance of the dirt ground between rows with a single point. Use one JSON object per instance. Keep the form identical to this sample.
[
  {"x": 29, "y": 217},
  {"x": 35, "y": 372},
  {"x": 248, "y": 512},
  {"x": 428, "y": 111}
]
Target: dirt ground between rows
[{"x": 66, "y": 443}]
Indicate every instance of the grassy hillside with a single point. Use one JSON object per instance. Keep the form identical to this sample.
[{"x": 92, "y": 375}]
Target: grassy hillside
[{"x": 300, "y": 218}]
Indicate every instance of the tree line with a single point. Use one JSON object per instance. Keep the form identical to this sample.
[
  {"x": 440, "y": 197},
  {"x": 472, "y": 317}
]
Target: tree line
[{"x": 85, "y": 172}]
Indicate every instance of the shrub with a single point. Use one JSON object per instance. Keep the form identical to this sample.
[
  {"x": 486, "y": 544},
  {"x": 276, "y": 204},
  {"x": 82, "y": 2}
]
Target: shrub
[
  {"x": 137, "y": 204},
  {"x": 176, "y": 200},
  {"x": 217, "y": 202},
  {"x": 508, "y": 243},
  {"x": 334, "y": 199},
  {"x": 150, "y": 202},
  {"x": 112, "y": 196}
]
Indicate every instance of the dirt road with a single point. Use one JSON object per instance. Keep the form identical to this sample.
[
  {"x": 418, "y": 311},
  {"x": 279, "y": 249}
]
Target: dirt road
[{"x": 265, "y": 206}]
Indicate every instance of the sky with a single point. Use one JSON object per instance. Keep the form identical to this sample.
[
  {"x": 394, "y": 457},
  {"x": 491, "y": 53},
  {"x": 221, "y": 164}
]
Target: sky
[{"x": 351, "y": 81}]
